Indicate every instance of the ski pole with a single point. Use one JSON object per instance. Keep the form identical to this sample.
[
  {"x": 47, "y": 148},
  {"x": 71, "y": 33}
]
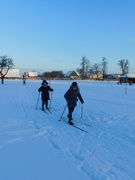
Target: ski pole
[
  {"x": 63, "y": 112},
  {"x": 50, "y": 100},
  {"x": 37, "y": 100},
  {"x": 82, "y": 111}
]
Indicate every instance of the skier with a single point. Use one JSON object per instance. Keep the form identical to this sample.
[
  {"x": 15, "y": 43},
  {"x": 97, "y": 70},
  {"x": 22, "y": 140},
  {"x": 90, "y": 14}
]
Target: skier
[
  {"x": 71, "y": 97},
  {"x": 44, "y": 89},
  {"x": 24, "y": 79}
]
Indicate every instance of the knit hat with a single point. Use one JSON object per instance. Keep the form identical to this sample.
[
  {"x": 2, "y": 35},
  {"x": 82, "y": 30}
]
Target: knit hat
[
  {"x": 44, "y": 82},
  {"x": 74, "y": 84}
]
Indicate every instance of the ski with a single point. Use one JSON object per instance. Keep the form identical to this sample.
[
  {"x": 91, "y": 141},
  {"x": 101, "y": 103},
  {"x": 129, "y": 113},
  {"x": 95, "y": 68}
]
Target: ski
[
  {"x": 87, "y": 124},
  {"x": 79, "y": 128},
  {"x": 48, "y": 110},
  {"x": 73, "y": 125},
  {"x": 44, "y": 111}
]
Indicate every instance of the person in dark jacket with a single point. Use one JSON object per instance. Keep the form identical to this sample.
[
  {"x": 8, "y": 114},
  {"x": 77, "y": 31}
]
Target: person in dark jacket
[
  {"x": 24, "y": 79},
  {"x": 44, "y": 89},
  {"x": 71, "y": 96}
]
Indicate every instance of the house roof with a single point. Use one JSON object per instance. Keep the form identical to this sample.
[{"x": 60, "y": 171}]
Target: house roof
[
  {"x": 113, "y": 75},
  {"x": 69, "y": 73}
]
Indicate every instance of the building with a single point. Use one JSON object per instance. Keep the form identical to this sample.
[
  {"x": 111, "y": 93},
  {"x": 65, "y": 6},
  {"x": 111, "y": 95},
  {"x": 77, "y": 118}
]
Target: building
[
  {"x": 12, "y": 73},
  {"x": 113, "y": 76},
  {"x": 71, "y": 75},
  {"x": 30, "y": 75},
  {"x": 130, "y": 78},
  {"x": 96, "y": 75}
]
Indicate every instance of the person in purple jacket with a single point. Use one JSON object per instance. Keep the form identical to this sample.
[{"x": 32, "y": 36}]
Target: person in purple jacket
[
  {"x": 71, "y": 96},
  {"x": 44, "y": 89}
]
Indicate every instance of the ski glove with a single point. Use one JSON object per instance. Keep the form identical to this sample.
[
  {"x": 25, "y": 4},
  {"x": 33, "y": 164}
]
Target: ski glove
[{"x": 82, "y": 101}]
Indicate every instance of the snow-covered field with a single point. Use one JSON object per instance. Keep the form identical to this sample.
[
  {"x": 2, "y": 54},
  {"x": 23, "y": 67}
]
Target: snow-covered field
[{"x": 36, "y": 146}]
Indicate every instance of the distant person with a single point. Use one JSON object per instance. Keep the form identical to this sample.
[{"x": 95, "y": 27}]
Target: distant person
[
  {"x": 71, "y": 97},
  {"x": 120, "y": 81},
  {"x": 24, "y": 79},
  {"x": 130, "y": 82},
  {"x": 44, "y": 89}
]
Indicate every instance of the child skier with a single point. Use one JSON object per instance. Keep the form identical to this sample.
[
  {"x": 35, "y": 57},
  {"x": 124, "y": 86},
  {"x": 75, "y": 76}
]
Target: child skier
[
  {"x": 71, "y": 97},
  {"x": 44, "y": 89}
]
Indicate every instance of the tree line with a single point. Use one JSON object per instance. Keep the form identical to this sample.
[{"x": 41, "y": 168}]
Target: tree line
[
  {"x": 6, "y": 63},
  {"x": 87, "y": 68}
]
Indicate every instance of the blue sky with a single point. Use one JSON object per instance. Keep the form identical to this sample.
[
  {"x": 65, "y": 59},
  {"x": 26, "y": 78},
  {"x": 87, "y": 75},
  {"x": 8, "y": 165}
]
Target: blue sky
[{"x": 55, "y": 34}]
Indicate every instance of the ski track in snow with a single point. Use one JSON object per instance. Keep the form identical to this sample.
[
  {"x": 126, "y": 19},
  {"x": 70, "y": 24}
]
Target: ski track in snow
[{"x": 97, "y": 148}]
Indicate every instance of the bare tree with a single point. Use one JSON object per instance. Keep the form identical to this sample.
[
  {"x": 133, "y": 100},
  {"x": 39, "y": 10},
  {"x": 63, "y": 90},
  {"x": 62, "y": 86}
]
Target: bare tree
[
  {"x": 6, "y": 63},
  {"x": 124, "y": 65},
  {"x": 104, "y": 66},
  {"x": 95, "y": 68},
  {"x": 85, "y": 64}
]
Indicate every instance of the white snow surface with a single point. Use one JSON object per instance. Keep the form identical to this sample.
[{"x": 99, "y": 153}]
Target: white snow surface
[{"x": 35, "y": 145}]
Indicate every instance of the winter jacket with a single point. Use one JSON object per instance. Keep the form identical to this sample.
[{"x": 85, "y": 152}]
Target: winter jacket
[
  {"x": 45, "y": 92},
  {"x": 72, "y": 96}
]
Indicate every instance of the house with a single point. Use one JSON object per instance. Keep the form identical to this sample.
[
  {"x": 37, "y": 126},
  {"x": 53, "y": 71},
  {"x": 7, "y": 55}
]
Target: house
[
  {"x": 97, "y": 75},
  {"x": 113, "y": 76},
  {"x": 71, "y": 75},
  {"x": 12, "y": 73},
  {"x": 130, "y": 78},
  {"x": 30, "y": 75}
]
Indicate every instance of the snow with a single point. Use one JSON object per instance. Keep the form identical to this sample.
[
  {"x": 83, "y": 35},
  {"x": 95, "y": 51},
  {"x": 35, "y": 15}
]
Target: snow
[{"x": 36, "y": 146}]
